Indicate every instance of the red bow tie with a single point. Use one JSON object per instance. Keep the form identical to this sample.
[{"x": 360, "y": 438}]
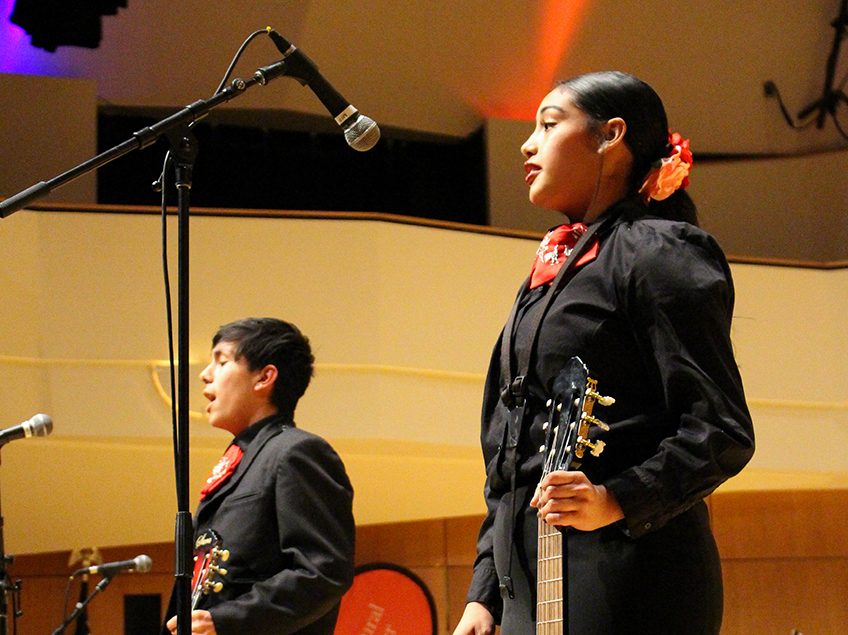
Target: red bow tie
[
  {"x": 553, "y": 251},
  {"x": 223, "y": 470}
]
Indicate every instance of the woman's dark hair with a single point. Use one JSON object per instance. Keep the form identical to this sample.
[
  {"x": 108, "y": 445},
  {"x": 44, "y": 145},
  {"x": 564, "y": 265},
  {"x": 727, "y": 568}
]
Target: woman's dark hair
[
  {"x": 609, "y": 94},
  {"x": 263, "y": 341}
]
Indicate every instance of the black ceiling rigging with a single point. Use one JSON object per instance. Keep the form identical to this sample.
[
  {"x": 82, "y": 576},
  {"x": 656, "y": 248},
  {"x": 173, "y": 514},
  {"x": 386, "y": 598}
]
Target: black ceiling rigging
[{"x": 54, "y": 23}]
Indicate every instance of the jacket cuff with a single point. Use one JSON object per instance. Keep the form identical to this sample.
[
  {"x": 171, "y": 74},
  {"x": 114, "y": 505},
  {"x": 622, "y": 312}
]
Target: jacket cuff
[
  {"x": 484, "y": 589},
  {"x": 641, "y": 507}
]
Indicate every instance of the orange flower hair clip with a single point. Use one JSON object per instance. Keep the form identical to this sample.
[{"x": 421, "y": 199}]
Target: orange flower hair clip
[{"x": 669, "y": 174}]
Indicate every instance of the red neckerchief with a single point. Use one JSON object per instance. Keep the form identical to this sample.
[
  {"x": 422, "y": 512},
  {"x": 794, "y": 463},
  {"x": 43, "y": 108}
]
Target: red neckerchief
[
  {"x": 222, "y": 470},
  {"x": 553, "y": 251}
]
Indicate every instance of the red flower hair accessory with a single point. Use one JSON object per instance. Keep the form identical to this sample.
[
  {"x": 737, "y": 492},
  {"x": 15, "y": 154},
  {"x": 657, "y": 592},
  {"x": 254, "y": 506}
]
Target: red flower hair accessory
[{"x": 669, "y": 174}]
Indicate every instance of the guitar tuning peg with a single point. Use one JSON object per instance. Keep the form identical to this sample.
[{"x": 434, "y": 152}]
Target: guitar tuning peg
[
  {"x": 545, "y": 425},
  {"x": 548, "y": 403},
  {"x": 559, "y": 407},
  {"x": 594, "y": 421},
  {"x": 225, "y": 555},
  {"x": 216, "y": 587},
  {"x": 219, "y": 570},
  {"x": 601, "y": 399},
  {"x": 596, "y": 448}
]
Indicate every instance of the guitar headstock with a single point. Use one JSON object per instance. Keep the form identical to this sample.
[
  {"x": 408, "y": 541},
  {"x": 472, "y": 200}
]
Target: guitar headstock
[
  {"x": 209, "y": 553},
  {"x": 570, "y": 418}
]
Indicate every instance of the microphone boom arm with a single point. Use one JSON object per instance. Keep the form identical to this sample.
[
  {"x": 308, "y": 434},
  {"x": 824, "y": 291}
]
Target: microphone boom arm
[{"x": 80, "y": 606}]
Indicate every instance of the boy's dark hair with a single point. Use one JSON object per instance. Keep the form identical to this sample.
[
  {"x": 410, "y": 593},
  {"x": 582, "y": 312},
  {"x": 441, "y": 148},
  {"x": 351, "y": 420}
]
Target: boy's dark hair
[{"x": 263, "y": 341}]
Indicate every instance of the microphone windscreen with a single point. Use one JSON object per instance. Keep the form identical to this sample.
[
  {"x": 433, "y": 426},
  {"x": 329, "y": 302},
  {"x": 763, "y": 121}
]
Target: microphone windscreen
[
  {"x": 362, "y": 134},
  {"x": 143, "y": 563},
  {"x": 41, "y": 425}
]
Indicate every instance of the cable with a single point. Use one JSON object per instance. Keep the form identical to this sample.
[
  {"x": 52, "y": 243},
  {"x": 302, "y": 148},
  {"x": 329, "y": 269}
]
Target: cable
[
  {"x": 67, "y": 598},
  {"x": 770, "y": 90},
  {"x": 169, "y": 313},
  {"x": 238, "y": 55},
  {"x": 158, "y": 186},
  {"x": 832, "y": 96}
]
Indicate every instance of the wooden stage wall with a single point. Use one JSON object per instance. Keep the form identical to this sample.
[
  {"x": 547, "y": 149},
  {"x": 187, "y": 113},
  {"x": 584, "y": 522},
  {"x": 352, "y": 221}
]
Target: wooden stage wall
[{"x": 784, "y": 554}]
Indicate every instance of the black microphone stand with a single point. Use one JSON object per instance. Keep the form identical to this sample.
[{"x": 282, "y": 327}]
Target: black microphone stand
[
  {"x": 80, "y": 606},
  {"x": 6, "y": 585},
  {"x": 184, "y": 149}
]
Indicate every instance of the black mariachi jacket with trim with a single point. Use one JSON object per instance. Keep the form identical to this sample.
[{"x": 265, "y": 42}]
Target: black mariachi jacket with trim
[
  {"x": 286, "y": 517},
  {"x": 650, "y": 317}
]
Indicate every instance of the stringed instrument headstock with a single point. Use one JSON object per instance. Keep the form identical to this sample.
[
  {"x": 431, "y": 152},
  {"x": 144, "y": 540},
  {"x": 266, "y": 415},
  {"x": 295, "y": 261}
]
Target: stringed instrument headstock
[
  {"x": 209, "y": 553},
  {"x": 570, "y": 418}
]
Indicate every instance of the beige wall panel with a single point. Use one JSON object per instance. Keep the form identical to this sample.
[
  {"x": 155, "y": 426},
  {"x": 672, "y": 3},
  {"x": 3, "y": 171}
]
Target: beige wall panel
[{"x": 402, "y": 319}]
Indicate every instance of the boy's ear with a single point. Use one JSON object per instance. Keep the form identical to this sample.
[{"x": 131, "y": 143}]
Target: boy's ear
[{"x": 266, "y": 378}]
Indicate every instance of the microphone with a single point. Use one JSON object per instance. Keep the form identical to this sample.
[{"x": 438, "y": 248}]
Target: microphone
[
  {"x": 39, "y": 426},
  {"x": 361, "y": 132},
  {"x": 139, "y": 564}
]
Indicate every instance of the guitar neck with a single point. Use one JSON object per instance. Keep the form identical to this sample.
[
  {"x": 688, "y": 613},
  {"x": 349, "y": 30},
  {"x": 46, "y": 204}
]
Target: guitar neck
[
  {"x": 549, "y": 581},
  {"x": 566, "y": 440}
]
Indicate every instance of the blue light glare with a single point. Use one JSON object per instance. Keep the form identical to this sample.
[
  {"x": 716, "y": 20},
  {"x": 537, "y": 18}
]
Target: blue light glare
[{"x": 17, "y": 55}]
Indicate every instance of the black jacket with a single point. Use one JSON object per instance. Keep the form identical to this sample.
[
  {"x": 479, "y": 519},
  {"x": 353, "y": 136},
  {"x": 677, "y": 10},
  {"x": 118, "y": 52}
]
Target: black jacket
[
  {"x": 650, "y": 317},
  {"x": 285, "y": 516}
]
